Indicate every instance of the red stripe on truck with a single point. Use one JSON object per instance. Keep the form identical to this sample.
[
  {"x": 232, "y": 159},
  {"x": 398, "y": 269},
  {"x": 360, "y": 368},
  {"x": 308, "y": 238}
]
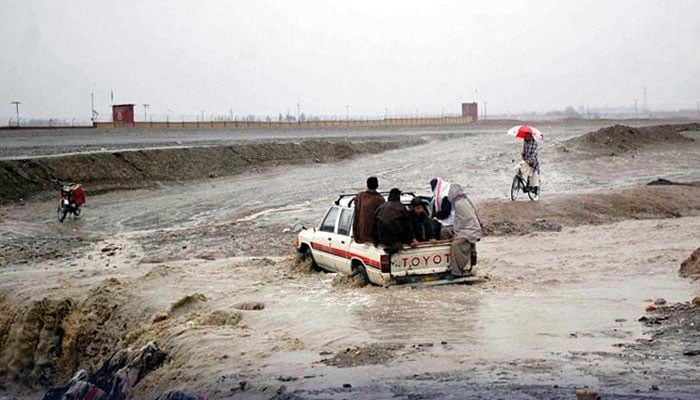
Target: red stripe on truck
[{"x": 345, "y": 254}]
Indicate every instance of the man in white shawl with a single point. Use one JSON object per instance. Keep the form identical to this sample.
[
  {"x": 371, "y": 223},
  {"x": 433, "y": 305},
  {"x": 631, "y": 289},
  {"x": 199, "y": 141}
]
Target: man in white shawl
[{"x": 467, "y": 231}]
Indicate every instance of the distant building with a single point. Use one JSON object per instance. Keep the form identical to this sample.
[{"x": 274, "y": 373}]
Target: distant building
[
  {"x": 123, "y": 114},
  {"x": 470, "y": 110}
]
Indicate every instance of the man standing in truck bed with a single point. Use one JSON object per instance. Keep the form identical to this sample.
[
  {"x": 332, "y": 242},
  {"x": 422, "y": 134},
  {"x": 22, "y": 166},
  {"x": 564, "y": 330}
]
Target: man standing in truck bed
[
  {"x": 467, "y": 231},
  {"x": 366, "y": 203}
]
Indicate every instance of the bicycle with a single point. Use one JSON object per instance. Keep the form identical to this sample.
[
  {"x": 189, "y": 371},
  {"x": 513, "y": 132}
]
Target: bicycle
[{"x": 523, "y": 183}]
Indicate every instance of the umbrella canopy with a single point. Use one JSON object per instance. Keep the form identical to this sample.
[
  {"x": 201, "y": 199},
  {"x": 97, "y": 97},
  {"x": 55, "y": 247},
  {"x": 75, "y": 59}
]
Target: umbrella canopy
[{"x": 520, "y": 131}]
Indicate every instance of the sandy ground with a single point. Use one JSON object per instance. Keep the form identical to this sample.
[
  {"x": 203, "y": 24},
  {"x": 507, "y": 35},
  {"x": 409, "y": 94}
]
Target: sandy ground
[{"x": 557, "y": 312}]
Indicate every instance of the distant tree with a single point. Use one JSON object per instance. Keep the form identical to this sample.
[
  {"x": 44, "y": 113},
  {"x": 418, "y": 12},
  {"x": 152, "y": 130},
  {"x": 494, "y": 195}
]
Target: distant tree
[{"x": 571, "y": 112}]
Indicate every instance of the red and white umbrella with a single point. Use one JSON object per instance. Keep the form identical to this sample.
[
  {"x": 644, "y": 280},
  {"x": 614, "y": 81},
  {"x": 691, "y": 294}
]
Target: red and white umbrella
[{"x": 520, "y": 131}]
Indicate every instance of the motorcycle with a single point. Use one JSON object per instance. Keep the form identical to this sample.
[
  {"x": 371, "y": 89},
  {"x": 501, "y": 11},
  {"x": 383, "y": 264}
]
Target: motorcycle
[{"x": 70, "y": 198}]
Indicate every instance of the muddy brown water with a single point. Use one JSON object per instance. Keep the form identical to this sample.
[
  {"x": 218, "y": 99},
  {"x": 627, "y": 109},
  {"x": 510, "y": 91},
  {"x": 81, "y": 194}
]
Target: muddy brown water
[{"x": 549, "y": 296}]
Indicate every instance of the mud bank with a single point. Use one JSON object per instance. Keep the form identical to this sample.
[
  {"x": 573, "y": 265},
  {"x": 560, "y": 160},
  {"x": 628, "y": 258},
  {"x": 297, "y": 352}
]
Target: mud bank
[
  {"x": 622, "y": 138},
  {"x": 26, "y": 178},
  {"x": 644, "y": 202}
]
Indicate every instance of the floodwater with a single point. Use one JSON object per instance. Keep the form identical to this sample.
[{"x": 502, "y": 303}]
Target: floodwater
[{"x": 548, "y": 296}]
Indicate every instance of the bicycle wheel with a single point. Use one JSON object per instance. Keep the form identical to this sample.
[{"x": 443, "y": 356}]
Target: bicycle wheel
[
  {"x": 514, "y": 188},
  {"x": 61, "y": 213}
]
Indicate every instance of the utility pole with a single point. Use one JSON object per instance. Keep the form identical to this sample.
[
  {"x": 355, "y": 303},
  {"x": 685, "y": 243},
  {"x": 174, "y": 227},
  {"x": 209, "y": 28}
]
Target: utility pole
[
  {"x": 486, "y": 103},
  {"x": 298, "y": 113},
  {"x": 145, "y": 109},
  {"x": 645, "y": 98},
  {"x": 636, "y": 110},
  {"x": 17, "y": 103},
  {"x": 347, "y": 112}
]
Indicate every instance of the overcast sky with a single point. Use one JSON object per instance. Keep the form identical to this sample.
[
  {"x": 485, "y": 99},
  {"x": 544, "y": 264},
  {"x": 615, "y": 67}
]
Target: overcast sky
[{"x": 262, "y": 57}]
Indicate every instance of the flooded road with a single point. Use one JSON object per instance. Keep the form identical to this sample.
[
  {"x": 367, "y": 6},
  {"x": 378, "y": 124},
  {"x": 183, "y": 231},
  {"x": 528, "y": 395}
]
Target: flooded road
[{"x": 552, "y": 304}]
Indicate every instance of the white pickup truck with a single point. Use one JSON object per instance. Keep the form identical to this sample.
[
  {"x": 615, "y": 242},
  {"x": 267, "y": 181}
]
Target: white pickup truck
[{"x": 332, "y": 248}]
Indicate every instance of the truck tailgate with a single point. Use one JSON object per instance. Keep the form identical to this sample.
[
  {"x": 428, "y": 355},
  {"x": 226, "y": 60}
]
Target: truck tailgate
[{"x": 425, "y": 259}]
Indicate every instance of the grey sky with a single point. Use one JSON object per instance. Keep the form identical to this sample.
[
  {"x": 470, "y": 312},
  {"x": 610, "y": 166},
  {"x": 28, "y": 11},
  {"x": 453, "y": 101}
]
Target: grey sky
[{"x": 262, "y": 57}]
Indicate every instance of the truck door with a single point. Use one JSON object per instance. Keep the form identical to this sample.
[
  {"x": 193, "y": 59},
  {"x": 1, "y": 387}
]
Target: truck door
[
  {"x": 340, "y": 242},
  {"x": 321, "y": 243}
]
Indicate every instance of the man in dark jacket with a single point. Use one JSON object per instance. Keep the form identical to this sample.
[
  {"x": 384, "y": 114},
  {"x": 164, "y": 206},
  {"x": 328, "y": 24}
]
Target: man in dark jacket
[
  {"x": 392, "y": 223},
  {"x": 421, "y": 224},
  {"x": 366, "y": 204}
]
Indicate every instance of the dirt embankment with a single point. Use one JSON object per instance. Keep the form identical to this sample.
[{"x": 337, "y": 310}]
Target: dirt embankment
[
  {"x": 25, "y": 178},
  {"x": 43, "y": 342},
  {"x": 521, "y": 217},
  {"x": 621, "y": 138}
]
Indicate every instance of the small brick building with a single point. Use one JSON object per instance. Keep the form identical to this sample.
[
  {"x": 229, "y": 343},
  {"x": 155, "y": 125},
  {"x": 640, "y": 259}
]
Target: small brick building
[{"x": 123, "y": 114}]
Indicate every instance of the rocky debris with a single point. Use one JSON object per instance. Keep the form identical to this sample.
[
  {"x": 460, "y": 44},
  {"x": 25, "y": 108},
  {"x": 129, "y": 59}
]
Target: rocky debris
[
  {"x": 250, "y": 306},
  {"x": 115, "y": 379},
  {"x": 695, "y": 300},
  {"x": 586, "y": 394},
  {"x": 178, "y": 395},
  {"x": 660, "y": 301},
  {"x": 691, "y": 266},
  {"x": 650, "y": 308},
  {"x": 375, "y": 353},
  {"x": 675, "y": 329}
]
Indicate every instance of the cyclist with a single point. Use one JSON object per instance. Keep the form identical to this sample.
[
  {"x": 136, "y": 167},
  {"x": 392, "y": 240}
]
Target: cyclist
[{"x": 530, "y": 167}]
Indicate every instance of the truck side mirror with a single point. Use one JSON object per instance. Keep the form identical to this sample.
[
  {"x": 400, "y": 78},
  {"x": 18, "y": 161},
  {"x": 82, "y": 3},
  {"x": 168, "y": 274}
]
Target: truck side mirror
[{"x": 298, "y": 228}]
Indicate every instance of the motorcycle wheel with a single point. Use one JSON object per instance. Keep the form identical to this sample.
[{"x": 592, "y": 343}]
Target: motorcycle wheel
[
  {"x": 61, "y": 213},
  {"x": 76, "y": 212}
]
